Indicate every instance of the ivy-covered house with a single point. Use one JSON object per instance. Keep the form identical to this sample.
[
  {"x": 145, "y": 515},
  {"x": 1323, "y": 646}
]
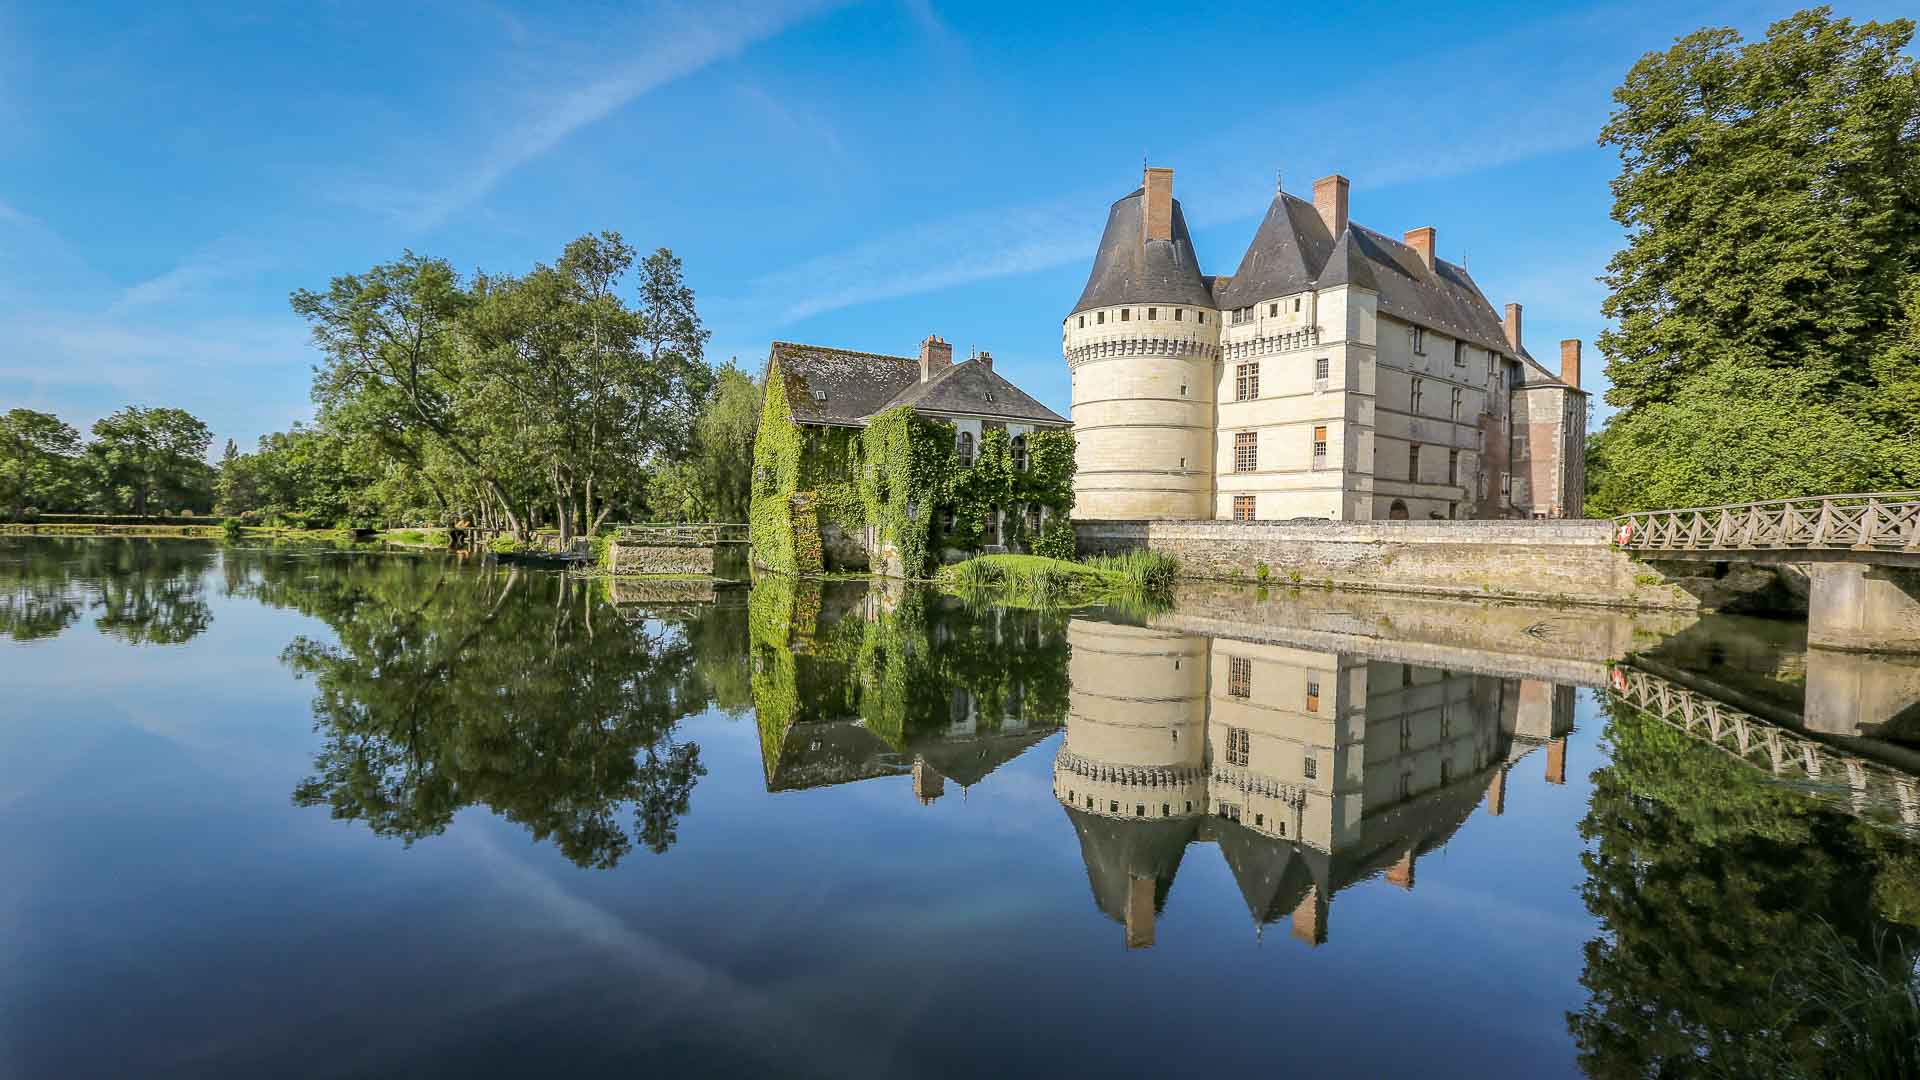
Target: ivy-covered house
[{"x": 866, "y": 461}]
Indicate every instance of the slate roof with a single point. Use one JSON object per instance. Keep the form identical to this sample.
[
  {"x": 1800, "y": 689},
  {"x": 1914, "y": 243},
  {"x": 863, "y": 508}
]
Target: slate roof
[
  {"x": 1292, "y": 251},
  {"x": 1129, "y": 269},
  {"x": 857, "y": 385}
]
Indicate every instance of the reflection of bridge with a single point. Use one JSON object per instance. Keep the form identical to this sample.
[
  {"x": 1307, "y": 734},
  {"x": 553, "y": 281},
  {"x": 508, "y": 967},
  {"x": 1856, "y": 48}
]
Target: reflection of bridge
[
  {"x": 1866, "y": 593},
  {"x": 1875, "y": 792}
]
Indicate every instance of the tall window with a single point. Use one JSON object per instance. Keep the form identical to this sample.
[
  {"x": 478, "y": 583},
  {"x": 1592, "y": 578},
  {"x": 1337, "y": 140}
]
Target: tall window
[
  {"x": 1126, "y": 314},
  {"x": 1033, "y": 519},
  {"x": 1453, "y": 466},
  {"x": 1243, "y": 508},
  {"x": 1246, "y": 451},
  {"x": 1238, "y": 743},
  {"x": 990, "y": 529},
  {"x": 1459, "y": 354},
  {"x": 963, "y": 449},
  {"x": 1239, "y": 676},
  {"x": 1201, "y": 316},
  {"x": 1246, "y": 382},
  {"x": 1419, "y": 394},
  {"x": 1019, "y": 449},
  {"x": 1320, "y": 368},
  {"x": 1413, "y": 463},
  {"x": 1310, "y": 768},
  {"x": 1179, "y": 314},
  {"x": 1313, "y": 695},
  {"x": 1153, "y": 313},
  {"x": 1417, "y": 337},
  {"x": 1320, "y": 446},
  {"x": 1296, "y": 303},
  {"x": 1273, "y": 310},
  {"x": 1453, "y": 406},
  {"x": 1100, "y": 318}
]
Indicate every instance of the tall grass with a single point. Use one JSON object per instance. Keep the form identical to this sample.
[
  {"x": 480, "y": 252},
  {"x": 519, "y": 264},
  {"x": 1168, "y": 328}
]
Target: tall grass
[
  {"x": 1149, "y": 571},
  {"x": 1840, "y": 1011}
]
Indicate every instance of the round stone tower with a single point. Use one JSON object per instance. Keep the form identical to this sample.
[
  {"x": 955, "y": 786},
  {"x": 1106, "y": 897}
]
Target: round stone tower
[{"x": 1142, "y": 344}]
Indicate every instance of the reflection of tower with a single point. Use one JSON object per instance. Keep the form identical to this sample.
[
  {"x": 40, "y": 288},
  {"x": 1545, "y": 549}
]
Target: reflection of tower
[{"x": 1132, "y": 770}]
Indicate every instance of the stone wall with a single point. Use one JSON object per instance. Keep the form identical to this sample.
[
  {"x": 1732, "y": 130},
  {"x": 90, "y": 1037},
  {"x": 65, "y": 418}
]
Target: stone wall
[
  {"x": 1540, "y": 561},
  {"x": 661, "y": 559}
]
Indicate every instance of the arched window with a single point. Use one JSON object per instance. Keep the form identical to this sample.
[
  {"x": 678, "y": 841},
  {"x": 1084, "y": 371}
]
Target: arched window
[
  {"x": 1020, "y": 452},
  {"x": 963, "y": 448},
  {"x": 1398, "y": 511}
]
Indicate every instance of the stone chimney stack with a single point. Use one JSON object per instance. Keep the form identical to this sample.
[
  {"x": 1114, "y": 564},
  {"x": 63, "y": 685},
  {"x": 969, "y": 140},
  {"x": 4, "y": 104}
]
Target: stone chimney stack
[
  {"x": 1330, "y": 199},
  {"x": 986, "y": 360},
  {"x": 1310, "y": 918},
  {"x": 1512, "y": 324},
  {"x": 935, "y": 356},
  {"x": 1421, "y": 240},
  {"x": 1557, "y": 761},
  {"x": 1159, "y": 196},
  {"x": 1570, "y": 361},
  {"x": 1497, "y": 792}
]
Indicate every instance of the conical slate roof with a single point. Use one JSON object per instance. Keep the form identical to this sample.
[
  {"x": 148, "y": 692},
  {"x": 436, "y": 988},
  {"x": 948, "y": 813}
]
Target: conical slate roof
[
  {"x": 1285, "y": 256},
  {"x": 1116, "y": 850},
  {"x": 1129, "y": 269},
  {"x": 1271, "y": 875}
]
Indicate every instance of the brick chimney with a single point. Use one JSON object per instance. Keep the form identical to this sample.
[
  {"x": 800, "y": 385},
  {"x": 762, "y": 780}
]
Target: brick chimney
[
  {"x": 935, "y": 356},
  {"x": 1497, "y": 792},
  {"x": 1140, "y": 912},
  {"x": 1330, "y": 199},
  {"x": 1557, "y": 761},
  {"x": 1421, "y": 240},
  {"x": 1159, "y": 196},
  {"x": 1570, "y": 361},
  {"x": 1401, "y": 873},
  {"x": 1512, "y": 325}
]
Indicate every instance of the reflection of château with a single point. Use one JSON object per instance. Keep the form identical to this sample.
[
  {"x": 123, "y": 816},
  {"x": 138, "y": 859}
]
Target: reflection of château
[{"x": 1309, "y": 770}]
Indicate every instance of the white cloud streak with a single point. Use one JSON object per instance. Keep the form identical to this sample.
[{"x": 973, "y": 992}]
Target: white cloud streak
[{"x": 680, "y": 43}]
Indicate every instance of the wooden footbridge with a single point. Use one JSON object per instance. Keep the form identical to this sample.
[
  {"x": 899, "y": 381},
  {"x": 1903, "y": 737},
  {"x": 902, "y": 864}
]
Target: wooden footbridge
[
  {"x": 1865, "y": 595},
  {"x": 1882, "y": 529}
]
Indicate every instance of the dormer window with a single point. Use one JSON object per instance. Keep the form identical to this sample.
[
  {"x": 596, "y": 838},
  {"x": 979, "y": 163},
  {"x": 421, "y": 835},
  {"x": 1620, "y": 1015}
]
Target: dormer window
[{"x": 819, "y": 395}]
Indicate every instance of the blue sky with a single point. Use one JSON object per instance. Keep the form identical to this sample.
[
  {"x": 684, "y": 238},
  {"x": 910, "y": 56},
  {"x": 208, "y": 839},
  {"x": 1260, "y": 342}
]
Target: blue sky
[{"x": 855, "y": 174}]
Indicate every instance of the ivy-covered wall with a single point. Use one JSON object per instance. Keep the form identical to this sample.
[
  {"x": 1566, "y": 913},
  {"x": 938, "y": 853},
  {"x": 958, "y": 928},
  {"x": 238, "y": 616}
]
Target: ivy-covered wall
[{"x": 896, "y": 475}]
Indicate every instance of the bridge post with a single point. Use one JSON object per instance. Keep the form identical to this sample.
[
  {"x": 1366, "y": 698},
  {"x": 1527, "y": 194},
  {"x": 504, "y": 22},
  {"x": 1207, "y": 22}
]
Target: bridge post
[{"x": 1860, "y": 608}]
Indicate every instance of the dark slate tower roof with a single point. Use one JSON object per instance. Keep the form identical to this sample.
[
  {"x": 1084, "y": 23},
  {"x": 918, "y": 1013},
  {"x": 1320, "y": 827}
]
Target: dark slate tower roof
[
  {"x": 1117, "y": 850},
  {"x": 1286, "y": 255},
  {"x": 1129, "y": 269}
]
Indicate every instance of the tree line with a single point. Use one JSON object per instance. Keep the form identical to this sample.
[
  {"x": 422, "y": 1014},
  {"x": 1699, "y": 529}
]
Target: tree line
[
  {"x": 556, "y": 398},
  {"x": 1766, "y": 309}
]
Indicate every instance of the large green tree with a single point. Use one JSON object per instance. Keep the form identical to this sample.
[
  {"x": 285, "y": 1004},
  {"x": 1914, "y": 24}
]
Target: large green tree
[
  {"x": 713, "y": 481},
  {"x": 40, "y": 463},
  {"x": 1771, "y": 193},
  {"x": 142, "y": 455}
]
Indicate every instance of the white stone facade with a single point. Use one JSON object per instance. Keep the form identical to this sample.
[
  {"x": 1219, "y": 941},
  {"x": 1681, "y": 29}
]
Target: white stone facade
[{"x": 1342, "y": 396}]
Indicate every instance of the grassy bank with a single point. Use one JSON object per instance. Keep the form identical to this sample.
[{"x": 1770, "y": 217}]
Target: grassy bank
[{"x": 1036, "y": 581}]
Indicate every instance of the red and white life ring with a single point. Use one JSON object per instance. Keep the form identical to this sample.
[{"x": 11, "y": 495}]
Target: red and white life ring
[
  {"x": 1625, "y": 534},
  {"x": 1619, "y": 679}
]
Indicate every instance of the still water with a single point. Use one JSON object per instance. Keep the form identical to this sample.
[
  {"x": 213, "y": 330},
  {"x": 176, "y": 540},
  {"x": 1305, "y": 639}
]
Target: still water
[{"x": 313, "y": 812}]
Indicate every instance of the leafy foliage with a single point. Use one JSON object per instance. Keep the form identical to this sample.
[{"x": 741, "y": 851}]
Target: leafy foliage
[{"x": 1771, "y": 190}]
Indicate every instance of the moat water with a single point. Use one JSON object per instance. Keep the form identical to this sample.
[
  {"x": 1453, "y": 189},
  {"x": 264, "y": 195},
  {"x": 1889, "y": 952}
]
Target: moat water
[{"x": 318, "y": 812}]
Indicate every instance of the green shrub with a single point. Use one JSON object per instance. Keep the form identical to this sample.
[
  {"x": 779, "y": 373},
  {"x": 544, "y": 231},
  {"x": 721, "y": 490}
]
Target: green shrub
[
  {"x": 1261, "y": 570},
  {"x": 504, "y": 544},
  {"x": 1056, "y": 539},
  {"x": 231, "y": 527}
]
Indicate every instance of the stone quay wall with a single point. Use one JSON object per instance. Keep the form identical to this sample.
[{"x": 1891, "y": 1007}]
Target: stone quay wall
[
  {"x": 661, "y": 559},
  {"x": 1554, "y": 562}
]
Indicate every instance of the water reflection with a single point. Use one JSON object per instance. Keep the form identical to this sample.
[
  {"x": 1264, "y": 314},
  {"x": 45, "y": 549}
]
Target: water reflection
[
  {"x": 1308, "y": 770},
  {"x": 143, "y": 592}
]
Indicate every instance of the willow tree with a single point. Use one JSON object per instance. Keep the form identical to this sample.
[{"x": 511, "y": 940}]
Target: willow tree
[{"x": 1771, "y": 193}]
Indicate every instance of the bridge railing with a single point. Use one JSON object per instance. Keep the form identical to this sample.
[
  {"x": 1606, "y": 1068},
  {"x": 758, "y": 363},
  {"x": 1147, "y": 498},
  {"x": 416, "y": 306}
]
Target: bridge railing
[
  {"x": 697, "y": 533},
  {"x": 1880, "y": 521},
  {"x": 1874, "y": 791}
]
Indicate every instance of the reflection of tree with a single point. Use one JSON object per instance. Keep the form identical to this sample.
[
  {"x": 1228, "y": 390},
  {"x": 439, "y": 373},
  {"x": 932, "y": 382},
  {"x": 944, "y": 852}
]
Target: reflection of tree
[
  {"x": 1714, "y": 887},
  {"x": 147, "y": 592},
  {"x": 526, "y": 694}
]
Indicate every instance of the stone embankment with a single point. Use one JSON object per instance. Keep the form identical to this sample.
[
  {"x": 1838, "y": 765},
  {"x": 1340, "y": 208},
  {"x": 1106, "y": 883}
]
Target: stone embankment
[{"x": 1555, "y": 562}]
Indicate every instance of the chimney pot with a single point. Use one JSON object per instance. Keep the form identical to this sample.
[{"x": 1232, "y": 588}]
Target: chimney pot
[
  {"x": 1512, "y": 326},
  {"x": 1330, "y": 199},
  {"x": 1570, "y": 362},
  {"x": 1158, "y": 186},
  {"x": 1421, "y": 240},
  {"x": 935, "y": 356}
]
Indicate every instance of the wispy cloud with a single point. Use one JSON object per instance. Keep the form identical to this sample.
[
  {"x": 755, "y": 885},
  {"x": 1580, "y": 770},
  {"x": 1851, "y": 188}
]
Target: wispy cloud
[
  {"x": 1504, "y": 114},
  {"x": 677, "y": 43}
]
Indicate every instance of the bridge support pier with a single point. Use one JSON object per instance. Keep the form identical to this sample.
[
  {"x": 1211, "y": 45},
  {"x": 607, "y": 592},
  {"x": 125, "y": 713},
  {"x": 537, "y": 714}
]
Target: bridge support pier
[{"x": 1862, "y": 608}]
